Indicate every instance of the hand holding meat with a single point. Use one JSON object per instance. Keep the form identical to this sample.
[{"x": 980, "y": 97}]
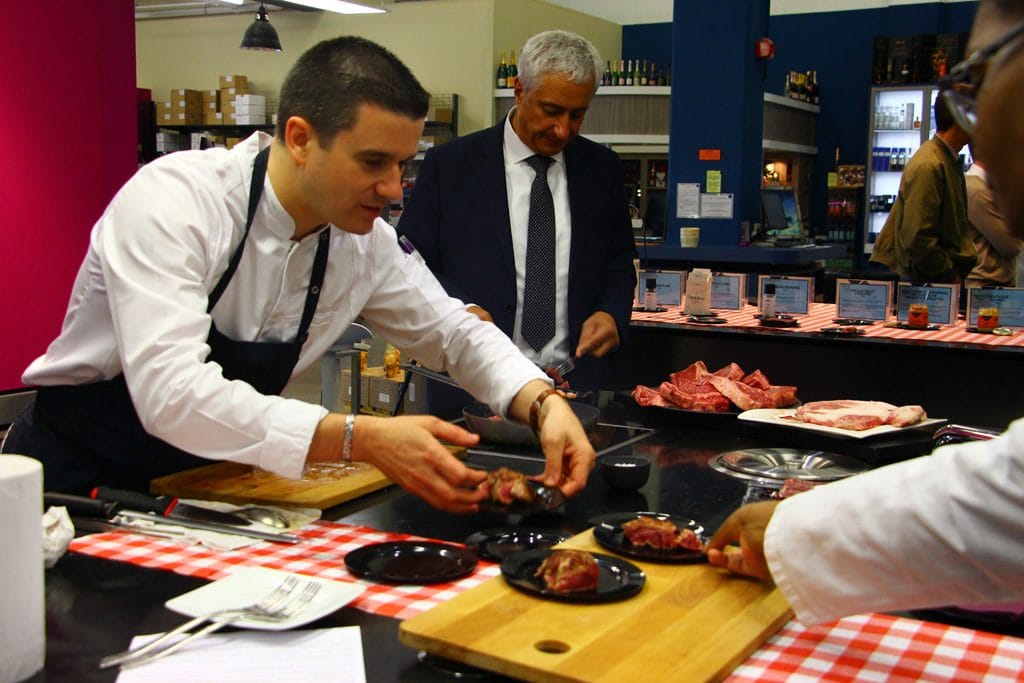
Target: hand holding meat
[
  {"x": 745, "y": 526},
  {"x": 406, "y": 449},
  {"x": 569, "y": 456},
  {"x": 508, "y": 487}
]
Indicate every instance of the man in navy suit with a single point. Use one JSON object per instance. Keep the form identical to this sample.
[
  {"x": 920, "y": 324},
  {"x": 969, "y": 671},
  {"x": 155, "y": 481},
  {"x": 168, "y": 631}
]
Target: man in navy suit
[{"x": 468, "y": 212}]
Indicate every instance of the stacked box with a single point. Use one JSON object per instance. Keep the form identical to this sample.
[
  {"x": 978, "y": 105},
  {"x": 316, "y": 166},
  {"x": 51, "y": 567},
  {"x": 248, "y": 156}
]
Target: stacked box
[
  {"x": 168, "y": 142},
  {"x": 234, "y": 81},
  {"x": 186, "y": 107},
  {"x": 250, "y": 109}
]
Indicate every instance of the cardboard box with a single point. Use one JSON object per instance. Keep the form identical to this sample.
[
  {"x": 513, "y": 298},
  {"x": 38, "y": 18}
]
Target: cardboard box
[
  {"x": 185, "y": 94},
  {"x": 251, "y": 100},
  {"x": 180, "y": 119},
  {"x": 234, "y": 81},
  {"x": 439, "y": 114},
  {"x": 251, "y": 119},
  {"x": 213, "y": 118},
  {"x": 211, "y": 96},
  {"x": 231, "y": 93}
]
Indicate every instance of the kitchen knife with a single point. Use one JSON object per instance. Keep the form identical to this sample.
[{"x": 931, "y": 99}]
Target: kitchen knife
[
  {"x": 130, "y": 515},
  {"x": 166, "y": 506},
  {"x": 80, "y": 506}
]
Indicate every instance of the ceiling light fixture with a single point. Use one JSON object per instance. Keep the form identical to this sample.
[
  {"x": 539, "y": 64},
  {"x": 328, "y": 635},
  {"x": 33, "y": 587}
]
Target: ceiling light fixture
[
  {"x": 261, "y": 35},
  {"x": 340, "y": 6}
]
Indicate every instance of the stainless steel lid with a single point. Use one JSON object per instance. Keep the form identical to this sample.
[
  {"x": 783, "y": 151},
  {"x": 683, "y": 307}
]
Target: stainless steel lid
[{"x": 786, "y": 463}]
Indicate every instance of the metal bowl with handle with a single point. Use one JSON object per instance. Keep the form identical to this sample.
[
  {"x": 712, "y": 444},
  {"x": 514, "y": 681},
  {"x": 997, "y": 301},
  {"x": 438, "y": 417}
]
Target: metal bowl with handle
[{"x": 496, "y": 429}]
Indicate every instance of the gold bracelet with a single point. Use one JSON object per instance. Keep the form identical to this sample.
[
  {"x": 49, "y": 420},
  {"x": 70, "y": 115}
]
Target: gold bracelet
[
  {"x": 535, "y": 409},
  {"x": 346, "y": 442}
]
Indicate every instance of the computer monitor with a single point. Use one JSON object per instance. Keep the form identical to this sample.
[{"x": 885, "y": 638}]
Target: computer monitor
[{"x": 781, "y": 213}]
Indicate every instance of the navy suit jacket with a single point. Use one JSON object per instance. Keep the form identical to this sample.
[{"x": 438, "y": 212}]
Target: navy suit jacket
[{"x": 457, "y": 216}]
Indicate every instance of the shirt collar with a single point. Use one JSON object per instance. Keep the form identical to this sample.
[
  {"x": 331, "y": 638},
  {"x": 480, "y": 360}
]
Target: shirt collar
[{"x": 516, "y": 150}]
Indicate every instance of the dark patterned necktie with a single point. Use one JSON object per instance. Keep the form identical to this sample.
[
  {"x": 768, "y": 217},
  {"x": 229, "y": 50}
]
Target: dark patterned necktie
[{"x": 538, "y": 324}]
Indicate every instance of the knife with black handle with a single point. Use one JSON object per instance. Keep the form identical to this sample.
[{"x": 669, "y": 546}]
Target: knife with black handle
[
  {"x": 80, "y": 506},
  {"x": 166, "y": 506}
]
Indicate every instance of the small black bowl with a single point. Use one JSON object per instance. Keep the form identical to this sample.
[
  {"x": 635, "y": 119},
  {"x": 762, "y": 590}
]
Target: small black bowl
[{"x": 625, "y": 472}]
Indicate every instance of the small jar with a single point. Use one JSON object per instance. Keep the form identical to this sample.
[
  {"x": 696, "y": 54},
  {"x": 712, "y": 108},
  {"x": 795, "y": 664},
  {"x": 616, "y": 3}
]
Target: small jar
[
  {"x": 988, "y": 318},
  {"x": 651, "y": 295},
  {"x": 768, "y": 301},
  {"x": 918, "y": 316}
]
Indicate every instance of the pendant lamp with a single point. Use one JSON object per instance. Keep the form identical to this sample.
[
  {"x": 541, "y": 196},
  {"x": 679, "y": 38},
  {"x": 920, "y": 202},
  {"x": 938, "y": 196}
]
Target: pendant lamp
[{"x": 261, "y": 35}]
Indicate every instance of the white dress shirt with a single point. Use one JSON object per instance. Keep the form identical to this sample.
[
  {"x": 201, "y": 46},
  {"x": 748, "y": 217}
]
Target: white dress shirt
[
  {"x": 138, "y": 306},
  {"x": 518, "y": 180},
  {"x": 944, "y": 529}
]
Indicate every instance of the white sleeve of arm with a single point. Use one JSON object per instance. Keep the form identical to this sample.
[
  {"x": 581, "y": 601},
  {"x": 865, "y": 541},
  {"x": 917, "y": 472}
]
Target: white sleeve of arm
[{"x": 943, "y": 529}]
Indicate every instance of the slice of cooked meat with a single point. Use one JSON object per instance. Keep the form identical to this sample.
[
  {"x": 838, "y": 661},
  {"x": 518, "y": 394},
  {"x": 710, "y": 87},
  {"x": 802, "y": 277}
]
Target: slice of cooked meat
[
  {"x": 569, "y": 571},
  {"x": 508, "y": 486},
  {"x": 659, "y": 533}
]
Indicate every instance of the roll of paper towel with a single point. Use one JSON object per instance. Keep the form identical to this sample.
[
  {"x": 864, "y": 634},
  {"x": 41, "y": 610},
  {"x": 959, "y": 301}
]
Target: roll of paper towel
[{"x": 22, "y": 623}]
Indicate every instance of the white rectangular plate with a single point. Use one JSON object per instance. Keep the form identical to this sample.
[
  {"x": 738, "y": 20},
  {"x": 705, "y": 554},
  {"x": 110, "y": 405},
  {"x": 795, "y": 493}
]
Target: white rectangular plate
[
  {"x": 784, "y": 417},
  {"x": 250, "y": 584}
]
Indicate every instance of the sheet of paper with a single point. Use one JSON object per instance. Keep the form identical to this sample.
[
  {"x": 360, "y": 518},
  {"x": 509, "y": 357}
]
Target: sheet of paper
[
  {"x": 713, "y": 184},
  {"x": 687, "y": 200},
  {"x": 716, "y": 205},
  {"x": 330, "y": 655}
]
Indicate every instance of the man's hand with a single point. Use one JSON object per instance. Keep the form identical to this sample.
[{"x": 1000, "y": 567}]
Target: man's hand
[
  {"x": 569, "y": 456},
  {"x": 598, "y": 336},
  {"x": 406, "y": 449},
  {"x": 480, "y": 313},
  {"x": 746, "y": 526}
]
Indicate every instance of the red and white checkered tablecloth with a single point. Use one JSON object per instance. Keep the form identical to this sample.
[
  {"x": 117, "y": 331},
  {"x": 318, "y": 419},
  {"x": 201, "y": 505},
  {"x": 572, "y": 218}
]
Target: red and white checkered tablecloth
[
  {"x": 880, "y": 647},
  {"x": 871, "y": 647},
  {"x": 322, "y": 554},
  {"x": 822, "y": 315}
]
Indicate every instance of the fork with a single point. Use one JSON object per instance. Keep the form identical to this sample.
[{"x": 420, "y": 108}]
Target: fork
[
  {"x": 269, "y": 608},
  {"x": 558, "y": 372}
]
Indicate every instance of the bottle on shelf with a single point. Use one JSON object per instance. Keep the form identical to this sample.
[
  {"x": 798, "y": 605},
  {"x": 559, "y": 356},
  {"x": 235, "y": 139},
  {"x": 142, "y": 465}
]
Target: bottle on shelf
[
  {"x": 629, "y": 72},
  {"x": 643, "y": 74},
  {"x": 622, "y": 72},
  {"x": 512, "y": 74},
  {"x": 636, "y": 72},
  {"x": 652, "y": 79},
  {"x": 606, "y": 77},
  {"x": 502, "y": 74}
]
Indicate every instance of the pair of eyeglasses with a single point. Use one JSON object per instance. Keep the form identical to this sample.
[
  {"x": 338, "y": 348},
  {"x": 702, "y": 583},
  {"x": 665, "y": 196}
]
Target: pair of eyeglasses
[{"x": 961, "y": 85}]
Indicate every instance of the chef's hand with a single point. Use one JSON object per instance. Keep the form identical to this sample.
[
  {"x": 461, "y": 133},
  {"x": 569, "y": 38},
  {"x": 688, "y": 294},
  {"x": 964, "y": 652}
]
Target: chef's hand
[
  {"x": 480, "y": 313},
  {"x": 569, "y": 456},
  {"x": 746, "y": 526},
  {"x": 598, "y": 336},
  {"x": 406, "y": 449}
]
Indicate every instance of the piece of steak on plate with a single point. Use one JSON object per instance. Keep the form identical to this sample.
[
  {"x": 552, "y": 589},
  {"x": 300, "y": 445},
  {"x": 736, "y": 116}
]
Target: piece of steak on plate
[
  {"x": 569, "y": 571},
  {"x": 659, "y": 533}
]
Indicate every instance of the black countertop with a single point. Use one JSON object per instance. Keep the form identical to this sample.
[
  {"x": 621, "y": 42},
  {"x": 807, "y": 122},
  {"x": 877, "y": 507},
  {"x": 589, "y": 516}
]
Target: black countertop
[{"x": 95, "y": 606}]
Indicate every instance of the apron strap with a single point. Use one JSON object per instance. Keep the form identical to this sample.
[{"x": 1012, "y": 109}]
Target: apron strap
[{"x": 259, "y": 173}]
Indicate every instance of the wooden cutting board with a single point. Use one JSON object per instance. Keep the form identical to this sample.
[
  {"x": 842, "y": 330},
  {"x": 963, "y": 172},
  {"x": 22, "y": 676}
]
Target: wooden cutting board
[
  {"x": 231, "y": 482},
  {"x": 691, "y": 622},
  {"x": 235, "y": 483}
]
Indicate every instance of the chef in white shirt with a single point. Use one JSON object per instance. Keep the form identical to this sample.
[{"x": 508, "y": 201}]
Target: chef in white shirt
[
  {"x": 214, "y": 277},
  {"x": 944, "y": 529}
]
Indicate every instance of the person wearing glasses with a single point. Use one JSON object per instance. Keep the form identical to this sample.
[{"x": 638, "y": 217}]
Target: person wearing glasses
[
  {"x": 944, "y": 529},
  {"x": 926, "y": 237}
]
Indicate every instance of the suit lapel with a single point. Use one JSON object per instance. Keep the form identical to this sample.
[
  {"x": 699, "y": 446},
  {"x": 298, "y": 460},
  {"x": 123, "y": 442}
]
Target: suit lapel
[
  {"x": 576, "y": 172},
  {"x": 493, "y": 183}
]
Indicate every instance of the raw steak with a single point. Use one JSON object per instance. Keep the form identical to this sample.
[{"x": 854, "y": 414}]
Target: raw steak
[
  {"x": 646, "y": 396},
  {"x": 569, "y": 571},
  {"x": 659, "y": 533},
  {"x": 695, "y": 388},
  {"x": 704, "y": 399},
  {"x": 858, "y": 415},
  {"x": 730, "y": 371},
  {"x": 756, "y": 379}
]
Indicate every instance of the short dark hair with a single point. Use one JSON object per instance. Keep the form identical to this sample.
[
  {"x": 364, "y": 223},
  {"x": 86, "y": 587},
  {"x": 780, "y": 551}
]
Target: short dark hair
[
  {"x": 333, "y": 78},
  {"x": 943, "y": 116}
]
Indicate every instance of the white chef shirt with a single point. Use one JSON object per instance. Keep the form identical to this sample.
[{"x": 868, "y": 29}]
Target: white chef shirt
[
  {"x": 518, "y": 181},
  {"x": 138, "y": 306},
  {"x": 944, "y": 529}
]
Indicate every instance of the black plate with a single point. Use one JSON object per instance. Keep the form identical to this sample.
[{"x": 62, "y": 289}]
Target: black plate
[
  {"x": 841, "y": 331},
  {"x": 728, "y": 414},
  {"x": 617, "y": 580},
  {"x": 416, "y": 562},
  {"x": 609, "y": 534},
  {"x": 906, "y": 326},
  {"x": 779, "y": 321},
  {"x": 497, "y": 544},
  {"x": 705, "y": 319},
  {"x": 853, "y": 321},
  {"x": 545, "y": 500},
  {"x": 641, "y": 309}
]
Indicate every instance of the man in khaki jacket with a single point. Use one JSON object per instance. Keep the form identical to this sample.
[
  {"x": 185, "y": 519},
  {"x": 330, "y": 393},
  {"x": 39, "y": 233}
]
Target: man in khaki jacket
[{"x": 926, "y": 237}]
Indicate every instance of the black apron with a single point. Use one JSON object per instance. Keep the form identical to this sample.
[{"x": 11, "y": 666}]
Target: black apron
[{"x": 90, "y": 434}]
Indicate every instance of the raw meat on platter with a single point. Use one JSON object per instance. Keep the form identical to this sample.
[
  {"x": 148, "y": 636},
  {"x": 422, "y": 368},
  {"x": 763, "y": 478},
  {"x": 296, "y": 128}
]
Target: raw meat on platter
[
  {"x": 659, "y": 533},
  {"x": 697, "y": 388},
  {"x": 858, "y": 415}
]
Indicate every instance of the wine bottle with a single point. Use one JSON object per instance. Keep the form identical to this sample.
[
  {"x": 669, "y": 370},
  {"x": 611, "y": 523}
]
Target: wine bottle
[
  {"x": 643, "y": 74},
  {"x": 653, "y": 78},
  {"x": 502, "y": 75},
  {"x": 606, "y": 77},
  {"x": 629, "y": 72},
  {"x": 622, "y": 72},
  {"x": 512, "y": 77},
  {"x": 636, "y": 72}
]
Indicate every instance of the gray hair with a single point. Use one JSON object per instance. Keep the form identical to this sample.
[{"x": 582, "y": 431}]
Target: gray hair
[{"x": 559, "y": 52}]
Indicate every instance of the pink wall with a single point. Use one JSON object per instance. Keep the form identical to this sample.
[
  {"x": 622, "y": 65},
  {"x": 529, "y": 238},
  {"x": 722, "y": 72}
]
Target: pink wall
[{"x": 67, "y": 112}]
